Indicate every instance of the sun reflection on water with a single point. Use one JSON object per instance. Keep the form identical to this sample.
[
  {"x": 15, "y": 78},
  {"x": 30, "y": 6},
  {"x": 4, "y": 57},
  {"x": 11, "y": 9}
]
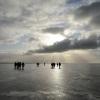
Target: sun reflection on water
[
  {"x": 57, "y": 80},
  {"x": 57, "y": 75}
]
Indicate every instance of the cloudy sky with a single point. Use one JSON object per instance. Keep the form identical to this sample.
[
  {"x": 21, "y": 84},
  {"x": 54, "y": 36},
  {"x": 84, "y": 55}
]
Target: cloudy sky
[{"x": 50, "y": 26}]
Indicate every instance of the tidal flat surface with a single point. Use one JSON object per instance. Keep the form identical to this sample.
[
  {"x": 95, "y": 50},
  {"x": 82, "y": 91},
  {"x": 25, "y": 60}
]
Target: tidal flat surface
[{"x": 71, "y": 82}]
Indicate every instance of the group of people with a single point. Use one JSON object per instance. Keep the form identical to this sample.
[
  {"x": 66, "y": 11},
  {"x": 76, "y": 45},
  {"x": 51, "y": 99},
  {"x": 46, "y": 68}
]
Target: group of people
[
  {"x": 19, "y": 65},
  {"x": 54, "y": 64}
]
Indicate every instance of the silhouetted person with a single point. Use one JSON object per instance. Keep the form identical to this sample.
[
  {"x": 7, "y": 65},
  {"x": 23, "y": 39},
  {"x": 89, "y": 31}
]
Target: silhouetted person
[
  {"x": 15, "y": 65},
  {"x": 52, "y": 65},
  {"x": 19, "y": 66},
  {"x": 38, "y": 64},
  {"x": 23, "y": 64},
  {"x": 44, "y": 63},
  {"x": 59, "y": 65}
]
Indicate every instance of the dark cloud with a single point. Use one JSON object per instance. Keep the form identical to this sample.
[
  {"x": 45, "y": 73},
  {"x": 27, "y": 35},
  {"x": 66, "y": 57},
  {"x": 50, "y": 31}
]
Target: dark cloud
[
  {"x": 91, "y": 11},
  {"x": 85, "y": 11},
  {"x": 96, "y": 21},
  {"x": 53, "y": 30},
  {"x": 91, "y": 42},
  {"x": 31, "y": 39},
  {"x": 88, "y": 43}
]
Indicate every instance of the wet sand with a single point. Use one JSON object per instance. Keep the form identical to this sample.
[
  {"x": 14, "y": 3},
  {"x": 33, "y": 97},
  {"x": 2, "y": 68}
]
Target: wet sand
[{"x": 71, "y": 82}]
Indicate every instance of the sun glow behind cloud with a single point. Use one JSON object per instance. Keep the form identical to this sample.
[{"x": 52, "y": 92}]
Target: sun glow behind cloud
[{"x": 50, "y": 39}]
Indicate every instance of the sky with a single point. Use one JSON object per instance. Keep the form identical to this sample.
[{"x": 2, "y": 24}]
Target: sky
[{"x": 48, "y": 27}]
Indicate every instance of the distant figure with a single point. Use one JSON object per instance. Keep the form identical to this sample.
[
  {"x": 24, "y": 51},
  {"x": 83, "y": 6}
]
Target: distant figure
[
  {"x": 44, "y": 63},
  {"x": 19, "y": 66},
  {"x": 38, "y": 64},
  {"x": 52, "y": 65},
  {"x": 15, "y": 64},
  {"x": 59, "y": 65},
  {"x": 23, "y": 64}
]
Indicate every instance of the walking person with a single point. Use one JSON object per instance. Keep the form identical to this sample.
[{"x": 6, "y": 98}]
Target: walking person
[
  {"x": 44, "y": 63},
  {"x": 37, "y": 64},
  {"x": 59, "y": 65},
  {"x": 23, "y": 64},
  {"x": 15, "y": 65}
]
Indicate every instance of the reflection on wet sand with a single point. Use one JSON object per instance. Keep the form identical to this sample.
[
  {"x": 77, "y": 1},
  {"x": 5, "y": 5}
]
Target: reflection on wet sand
[{"x": 71, "y": 82}]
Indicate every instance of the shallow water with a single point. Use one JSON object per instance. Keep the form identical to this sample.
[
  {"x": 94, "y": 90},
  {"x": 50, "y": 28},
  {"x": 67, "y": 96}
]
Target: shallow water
[{"x": 71, "y": 82}]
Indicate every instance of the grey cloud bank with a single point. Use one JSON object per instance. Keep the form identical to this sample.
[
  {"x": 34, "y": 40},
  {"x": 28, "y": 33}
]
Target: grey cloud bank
[
  {"x": 54, "y": 30},
  {"x": 91, "y": 42}
]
